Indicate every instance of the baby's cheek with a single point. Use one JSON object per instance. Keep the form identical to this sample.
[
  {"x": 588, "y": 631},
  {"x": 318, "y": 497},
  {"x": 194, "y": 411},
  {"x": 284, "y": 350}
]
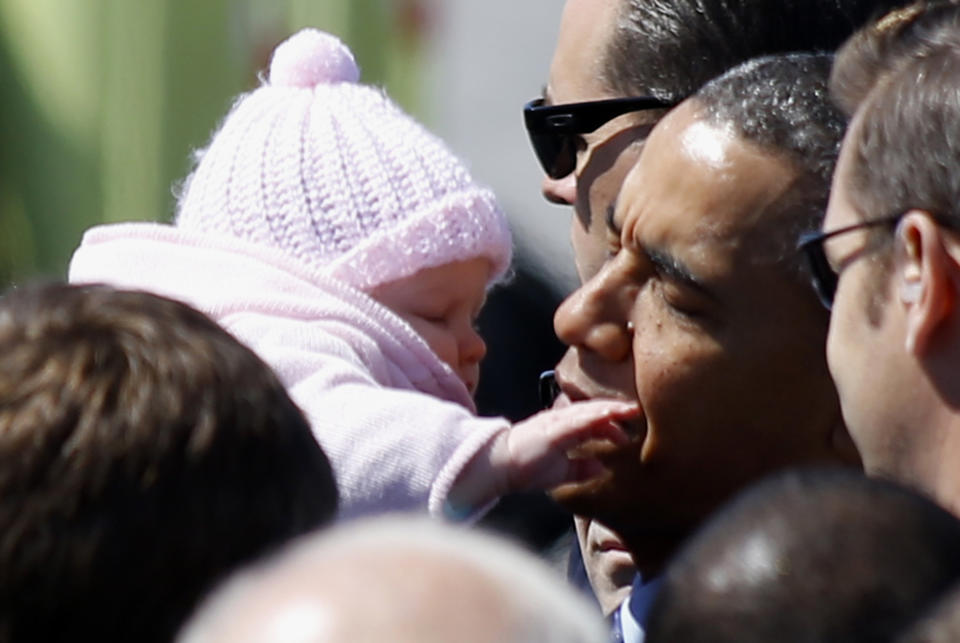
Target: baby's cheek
[{"x": 445, "y": 346}]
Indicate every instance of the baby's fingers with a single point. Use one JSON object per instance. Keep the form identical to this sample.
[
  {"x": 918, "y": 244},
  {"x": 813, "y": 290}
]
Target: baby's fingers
[
  {"x": 593, "y": 419},
  {"x": 538, "y": 453}
]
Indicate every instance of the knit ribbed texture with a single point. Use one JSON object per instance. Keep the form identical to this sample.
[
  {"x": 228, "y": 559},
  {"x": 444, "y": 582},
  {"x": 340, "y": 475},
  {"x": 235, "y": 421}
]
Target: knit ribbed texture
[
  {"x": 336, "y": 176},
  {"x": 396, "y": 422}
]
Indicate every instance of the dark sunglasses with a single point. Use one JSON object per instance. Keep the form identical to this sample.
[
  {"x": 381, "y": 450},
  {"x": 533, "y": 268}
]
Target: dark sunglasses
[
  {"x": 553, "y": 129},
  {"x": 823, "y": 276}
]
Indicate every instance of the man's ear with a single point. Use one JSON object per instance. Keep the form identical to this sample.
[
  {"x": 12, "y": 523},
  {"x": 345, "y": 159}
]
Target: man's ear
[{"x": 927, "y": 279}]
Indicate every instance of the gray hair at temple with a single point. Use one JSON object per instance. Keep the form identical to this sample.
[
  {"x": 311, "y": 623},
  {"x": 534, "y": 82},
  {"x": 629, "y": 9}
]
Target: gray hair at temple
[{"x": 398, "y": 579}]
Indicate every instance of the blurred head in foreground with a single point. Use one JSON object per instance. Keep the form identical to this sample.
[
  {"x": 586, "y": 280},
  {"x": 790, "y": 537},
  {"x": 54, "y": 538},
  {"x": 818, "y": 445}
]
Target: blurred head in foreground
[
  {"x": 402, "y": 580},
  {"x": 810, "y": 556},
  {"x": 144, "y": 453}
]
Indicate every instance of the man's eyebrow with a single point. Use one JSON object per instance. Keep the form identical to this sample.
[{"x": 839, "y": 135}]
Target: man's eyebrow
[
  {"x": 675, "y": 270},
  {"x": 666, "y": 264}
]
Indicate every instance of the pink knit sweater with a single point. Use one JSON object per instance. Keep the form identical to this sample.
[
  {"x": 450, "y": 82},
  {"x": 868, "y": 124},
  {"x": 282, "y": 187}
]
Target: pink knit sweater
[{"x": 396, "y": 422}]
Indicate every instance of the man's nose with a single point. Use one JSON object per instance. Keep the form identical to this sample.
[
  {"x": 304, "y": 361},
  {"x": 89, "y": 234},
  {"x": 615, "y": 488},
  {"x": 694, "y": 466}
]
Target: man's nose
[
  {"x": 561, "y": 191},
  {"x": 596, "y": 316}
]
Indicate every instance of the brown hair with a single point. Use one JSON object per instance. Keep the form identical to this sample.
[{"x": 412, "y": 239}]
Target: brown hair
[
  {"x": 144, "y": 452},
  {"x": 902, "y": 76}
]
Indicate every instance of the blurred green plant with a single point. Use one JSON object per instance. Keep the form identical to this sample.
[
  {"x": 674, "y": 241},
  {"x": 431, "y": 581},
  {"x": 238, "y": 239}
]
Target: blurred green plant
[{"x": 103, "y": 101}]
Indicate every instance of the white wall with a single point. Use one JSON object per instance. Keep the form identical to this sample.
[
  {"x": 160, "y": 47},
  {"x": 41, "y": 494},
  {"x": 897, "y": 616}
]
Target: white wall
[{"x": 487, "y": 58}]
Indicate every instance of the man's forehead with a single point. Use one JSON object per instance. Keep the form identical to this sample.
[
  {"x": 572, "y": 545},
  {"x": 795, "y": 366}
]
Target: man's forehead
[
  {"x": 586, "y": 27},
  {"x": 699, "y": 186}
]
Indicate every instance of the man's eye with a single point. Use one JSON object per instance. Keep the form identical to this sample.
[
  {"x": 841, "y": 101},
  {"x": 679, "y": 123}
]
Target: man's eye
[{"x": 682, "y": 303}]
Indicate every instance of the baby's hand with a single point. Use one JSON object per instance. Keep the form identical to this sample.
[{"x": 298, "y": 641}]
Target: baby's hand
[{"x": 536, "y": 453}]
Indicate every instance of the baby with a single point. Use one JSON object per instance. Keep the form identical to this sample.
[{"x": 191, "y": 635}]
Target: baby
[{"x": 352, "y": 250}]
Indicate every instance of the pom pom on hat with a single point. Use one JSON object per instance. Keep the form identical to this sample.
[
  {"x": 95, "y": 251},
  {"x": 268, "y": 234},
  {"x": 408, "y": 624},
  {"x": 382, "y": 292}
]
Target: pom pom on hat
[
  {"x": 311, "y": 57},
  {"x": 336, "y": 176}
]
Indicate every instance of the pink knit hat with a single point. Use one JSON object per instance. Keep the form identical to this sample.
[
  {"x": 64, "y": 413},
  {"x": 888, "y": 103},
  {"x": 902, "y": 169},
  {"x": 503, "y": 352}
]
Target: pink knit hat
[{"x": 337, "y": 176}]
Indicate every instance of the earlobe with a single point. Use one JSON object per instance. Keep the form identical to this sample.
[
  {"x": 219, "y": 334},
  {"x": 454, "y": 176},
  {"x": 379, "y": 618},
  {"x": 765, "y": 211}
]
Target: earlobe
[
  {"x": 910, "y": 290},
  {"x": 927, "y": 291}
]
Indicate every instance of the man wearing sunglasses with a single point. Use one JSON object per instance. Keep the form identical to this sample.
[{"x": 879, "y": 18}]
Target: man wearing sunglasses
[
  {"x": 620, "y": 65},
  {"x": 888, "y": 259}
]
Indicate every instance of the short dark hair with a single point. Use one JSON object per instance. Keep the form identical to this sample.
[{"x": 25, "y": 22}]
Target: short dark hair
[
  {"x": 144, "y": 453},
  {"x": 902, "y": 77},
  {"x": 669, "y": 48},
  {"x": 781, "y": 103},
  {"x": 817, "y": 555}
]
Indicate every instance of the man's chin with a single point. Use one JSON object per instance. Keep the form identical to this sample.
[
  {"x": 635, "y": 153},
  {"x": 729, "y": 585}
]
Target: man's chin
[
  {"x": 649, "y": 532},
  {"x": 584, "y": 498}
]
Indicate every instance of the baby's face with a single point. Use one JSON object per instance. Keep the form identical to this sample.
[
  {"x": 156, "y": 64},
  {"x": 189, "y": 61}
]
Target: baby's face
[{"x": 442, "y": 304}]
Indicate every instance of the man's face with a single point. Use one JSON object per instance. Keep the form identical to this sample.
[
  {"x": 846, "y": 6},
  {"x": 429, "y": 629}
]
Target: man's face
[
  {"x": 692, "y": 315},
  {"x": 605, "y": 155},
  {"x": 867, "y": 336}
]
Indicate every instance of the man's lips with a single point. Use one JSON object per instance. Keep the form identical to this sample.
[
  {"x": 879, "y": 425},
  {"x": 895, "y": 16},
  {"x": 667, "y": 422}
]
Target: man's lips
[
  {"x": 575, "y": 392},
  {"x": 570, "y": 391},
  {"x": 602, "y": 538},
  {"x": 636, "y": 428},
  {"x": 611, "y": 545}
]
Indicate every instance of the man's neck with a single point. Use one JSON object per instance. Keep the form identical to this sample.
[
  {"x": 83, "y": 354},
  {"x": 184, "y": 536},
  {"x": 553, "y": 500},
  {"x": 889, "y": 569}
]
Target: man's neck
[{"x": 945, "y": 484}]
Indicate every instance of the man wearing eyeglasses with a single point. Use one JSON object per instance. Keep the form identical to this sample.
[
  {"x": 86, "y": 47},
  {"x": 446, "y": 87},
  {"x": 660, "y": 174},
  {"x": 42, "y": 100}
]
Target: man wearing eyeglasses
[
  {"x": 703, "y": 314},
  {"x": 888, "y": 259}
]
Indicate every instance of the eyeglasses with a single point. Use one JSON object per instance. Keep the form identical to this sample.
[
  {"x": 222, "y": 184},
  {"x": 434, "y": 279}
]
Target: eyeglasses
[
  {"x": 553, "y": 128},
  {"x": 824, "y": 277}
]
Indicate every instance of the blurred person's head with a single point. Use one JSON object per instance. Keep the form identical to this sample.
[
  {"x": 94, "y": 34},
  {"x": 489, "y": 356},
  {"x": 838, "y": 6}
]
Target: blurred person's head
[
  {"x": 809, "y": 556},
  {"x": 144, "y": 453},
  {"x": 703, "y": 311},
  {"x": 661, "y": 49},
  {"x": 398, "y": 579},
  {"x": 888, "y": 259}
]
